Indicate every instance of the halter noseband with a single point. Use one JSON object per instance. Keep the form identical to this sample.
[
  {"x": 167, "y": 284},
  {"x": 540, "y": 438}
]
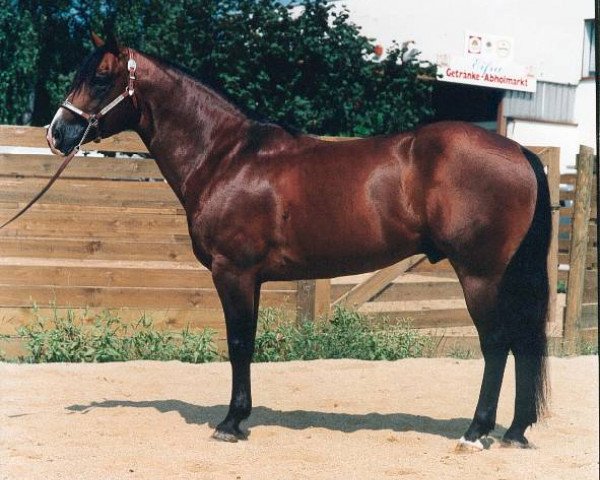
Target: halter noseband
[{"x": 94, "y": 118}]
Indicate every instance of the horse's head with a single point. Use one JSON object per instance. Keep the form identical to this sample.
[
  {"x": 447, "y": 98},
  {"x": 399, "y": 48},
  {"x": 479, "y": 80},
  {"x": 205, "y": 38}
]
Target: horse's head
[{"x": 100, "y": 102}]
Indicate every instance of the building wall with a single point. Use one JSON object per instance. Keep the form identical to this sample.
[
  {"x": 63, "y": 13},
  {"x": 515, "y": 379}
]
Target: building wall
[
  {"x": 540, "y": 134},
  {"x": 548, "y": 36},
  {"x": 585, "y": 112}
]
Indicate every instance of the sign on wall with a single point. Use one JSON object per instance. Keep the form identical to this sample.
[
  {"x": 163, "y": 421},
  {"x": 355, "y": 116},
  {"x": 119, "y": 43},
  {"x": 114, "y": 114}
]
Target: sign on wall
[{"x": 487, "y": 61}]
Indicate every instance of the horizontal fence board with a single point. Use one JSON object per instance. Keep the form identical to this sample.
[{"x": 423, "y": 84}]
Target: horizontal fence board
[
  {"x": 430, "y": 318},
  {"x": 44, "y": 166},
  {"x": 162, "y": 319},
  {"x": 95, "y": 209},
  {"x": 108, "y": 297},
  {"x": 99, "y": 225},
  {"x": 570, "y": 195},
  {"x": 568, "y": 212},
  {"x": 564, "y": 246},
  {"x": 591, "y": 259},
  {"x": 450, "y": 289},
  {"x": 442, "y": 268},
  {"x": 113, "y": 249},
  {"x": 89, "y": 192},
  {"x": 110, "y": 274},
  {"x": 568, "y": 178},
  {"x": 592, "y": 231},
  {"x": 19, "y": 136}
]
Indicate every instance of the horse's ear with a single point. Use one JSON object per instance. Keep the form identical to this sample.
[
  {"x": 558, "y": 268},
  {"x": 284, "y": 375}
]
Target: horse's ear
[
  {"x": 96, "y": 40},
  {"x": 112, "y": 45}
]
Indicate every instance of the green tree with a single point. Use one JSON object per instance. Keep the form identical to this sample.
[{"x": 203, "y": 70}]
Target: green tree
[
  {"x": 19, "y": 51},
  {"x": 307, "y": 66}
]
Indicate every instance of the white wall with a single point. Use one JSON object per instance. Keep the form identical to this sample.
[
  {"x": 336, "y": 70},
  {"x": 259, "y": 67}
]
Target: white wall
[
  {"x": 537, "y": 134},
  {"x": 585, "y": 112},
  {"x": 548, "y": 34}
]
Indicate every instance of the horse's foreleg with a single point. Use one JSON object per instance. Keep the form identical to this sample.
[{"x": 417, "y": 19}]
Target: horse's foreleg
[{"x": 239, "y": 294}]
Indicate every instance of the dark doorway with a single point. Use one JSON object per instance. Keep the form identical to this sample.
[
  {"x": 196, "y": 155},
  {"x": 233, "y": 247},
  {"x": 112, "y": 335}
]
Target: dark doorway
[{"x": 454, "y": 101}]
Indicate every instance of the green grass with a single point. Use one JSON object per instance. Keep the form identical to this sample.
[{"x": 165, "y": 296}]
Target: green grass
[
  {"x": 585, "y": 347},
  {"x": 461, "y": 353}
]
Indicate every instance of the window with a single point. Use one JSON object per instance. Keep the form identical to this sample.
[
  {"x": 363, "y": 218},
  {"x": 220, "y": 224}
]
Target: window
[{"x": 589, "y": 49}]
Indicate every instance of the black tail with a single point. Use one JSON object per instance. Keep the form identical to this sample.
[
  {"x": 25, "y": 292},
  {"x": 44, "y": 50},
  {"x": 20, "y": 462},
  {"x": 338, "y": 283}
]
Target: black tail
[{"x": 524, "y": 301}]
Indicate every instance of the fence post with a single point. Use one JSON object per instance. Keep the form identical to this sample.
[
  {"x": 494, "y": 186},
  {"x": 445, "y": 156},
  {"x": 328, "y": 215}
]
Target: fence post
[
  {"x": 550, "y": 157},
  {"x": 579, "y": 241},
  {"x": 313, "y": 299}
]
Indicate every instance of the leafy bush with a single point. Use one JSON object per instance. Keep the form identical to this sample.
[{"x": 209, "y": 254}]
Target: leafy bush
[
  {"x": 346, "y": 335},
  {"x": 67, "y": 339}
]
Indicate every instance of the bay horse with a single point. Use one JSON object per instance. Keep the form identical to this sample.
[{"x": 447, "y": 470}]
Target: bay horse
[{"x": 264, "y": 203}]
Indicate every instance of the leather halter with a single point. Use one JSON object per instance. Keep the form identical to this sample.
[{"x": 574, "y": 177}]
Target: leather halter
[{"x": 92, "y": 119}]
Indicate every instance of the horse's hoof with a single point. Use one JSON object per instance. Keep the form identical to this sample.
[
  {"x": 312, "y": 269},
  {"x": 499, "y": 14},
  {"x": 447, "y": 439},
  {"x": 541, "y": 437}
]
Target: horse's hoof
[
  {"x": 512, "y": 443},
  {"x": 224, "y": 436},
  {"x": 230, "y": 437},
  {"x": 467, "y": 446}
]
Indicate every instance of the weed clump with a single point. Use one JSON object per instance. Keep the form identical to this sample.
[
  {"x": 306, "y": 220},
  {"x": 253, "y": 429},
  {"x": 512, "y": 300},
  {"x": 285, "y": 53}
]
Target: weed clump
[
  {"x": 347, "y": 334},
  {"x": 67, "y": 339}
]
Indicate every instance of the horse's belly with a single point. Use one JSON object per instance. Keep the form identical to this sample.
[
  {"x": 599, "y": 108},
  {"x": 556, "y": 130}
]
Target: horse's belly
[
  {"x": 329, "y": 267},
  {"x": 324, "y": 248}
]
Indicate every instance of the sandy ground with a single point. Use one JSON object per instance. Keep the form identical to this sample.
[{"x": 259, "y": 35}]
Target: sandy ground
[{"x": 312, "y": 420}]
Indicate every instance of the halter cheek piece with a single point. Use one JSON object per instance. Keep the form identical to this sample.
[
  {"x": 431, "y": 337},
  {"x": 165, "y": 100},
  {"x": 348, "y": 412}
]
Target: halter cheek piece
[{"x": 94, "y": 118}]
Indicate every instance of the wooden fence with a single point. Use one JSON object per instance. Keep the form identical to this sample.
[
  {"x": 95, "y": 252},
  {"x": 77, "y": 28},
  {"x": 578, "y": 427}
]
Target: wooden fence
[
  {"x": 110, "y": 234},
  {"x": 578, "y": 247}
]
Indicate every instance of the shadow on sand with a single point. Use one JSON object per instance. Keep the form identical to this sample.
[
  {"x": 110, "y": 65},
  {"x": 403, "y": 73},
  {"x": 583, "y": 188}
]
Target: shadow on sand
[{"x": 296, "y": 419}]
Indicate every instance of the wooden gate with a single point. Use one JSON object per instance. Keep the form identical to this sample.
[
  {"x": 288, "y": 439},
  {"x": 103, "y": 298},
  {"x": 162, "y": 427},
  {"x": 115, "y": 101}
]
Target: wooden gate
[{"x": 578, "y": 247}]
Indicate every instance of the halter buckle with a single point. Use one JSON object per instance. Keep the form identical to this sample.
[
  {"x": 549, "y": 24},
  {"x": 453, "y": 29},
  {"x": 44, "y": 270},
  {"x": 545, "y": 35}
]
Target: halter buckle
[{"x": 131, "y": 66}]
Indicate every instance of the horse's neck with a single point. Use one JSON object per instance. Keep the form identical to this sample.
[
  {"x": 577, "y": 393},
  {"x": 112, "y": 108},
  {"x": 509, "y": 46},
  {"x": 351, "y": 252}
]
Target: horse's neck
[{"x": 183, "y": 124}]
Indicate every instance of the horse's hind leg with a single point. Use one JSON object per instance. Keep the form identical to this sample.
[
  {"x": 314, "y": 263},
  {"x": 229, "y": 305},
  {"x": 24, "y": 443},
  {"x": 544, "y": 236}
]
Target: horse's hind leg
[
  {"x": 510, "y": 314},
  {"x": 527, "y": 292},
  {"x": 481, "y": 294}
]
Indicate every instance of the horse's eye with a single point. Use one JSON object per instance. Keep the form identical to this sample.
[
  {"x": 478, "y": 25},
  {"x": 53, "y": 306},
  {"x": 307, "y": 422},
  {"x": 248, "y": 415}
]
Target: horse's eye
[{"x": 101, "y": 79}]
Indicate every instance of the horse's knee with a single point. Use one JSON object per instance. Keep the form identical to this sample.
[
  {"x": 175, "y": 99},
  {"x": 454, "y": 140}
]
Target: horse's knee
[{"x": 240, "y": 350}]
